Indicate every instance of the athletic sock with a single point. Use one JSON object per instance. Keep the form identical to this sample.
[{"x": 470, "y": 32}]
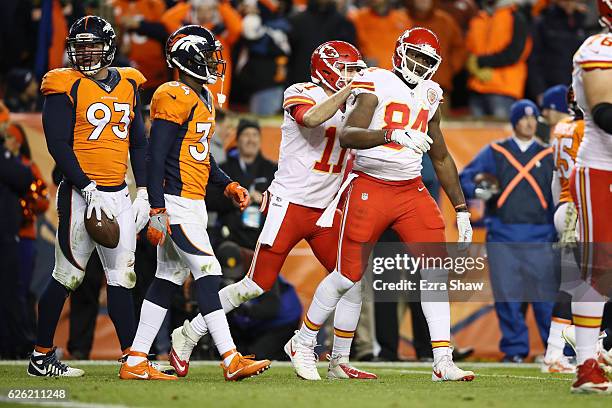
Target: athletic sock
[
  {"x": 120, "y": 307},
  {"x": 237, "y": 293},
  {"x": 587, "y": 319},
  {"x": 219, "y": 331},
  {"x": 152, "y": 316},
  {"x": 346, "y": 318},
  {"x": 50, "y": 308},
  {"x": 326, "y": 297},
  {"x": 437, "y": 313},
  {"x": 198, "y": 324},
  {"x": 556, "y": 344}
]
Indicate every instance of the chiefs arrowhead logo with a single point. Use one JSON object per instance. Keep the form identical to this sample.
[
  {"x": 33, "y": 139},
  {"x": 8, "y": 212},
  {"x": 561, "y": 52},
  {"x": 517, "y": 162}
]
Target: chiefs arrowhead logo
[{"x": 432, "y": 96}]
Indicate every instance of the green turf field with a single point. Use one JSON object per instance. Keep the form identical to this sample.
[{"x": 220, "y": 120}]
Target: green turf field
[{"x": 399, "y": 385}]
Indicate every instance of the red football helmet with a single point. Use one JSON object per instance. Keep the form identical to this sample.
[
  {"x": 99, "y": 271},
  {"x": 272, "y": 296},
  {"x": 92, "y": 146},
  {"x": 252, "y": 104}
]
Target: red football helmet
[
  {"x": 605, "y": 13},
  {"x": 425, "y": 43},
  {"x": 329, "y": 64}
]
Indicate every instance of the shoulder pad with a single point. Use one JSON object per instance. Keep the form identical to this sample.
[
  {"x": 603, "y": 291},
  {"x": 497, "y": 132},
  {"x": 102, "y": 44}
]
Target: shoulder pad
[
  {"x": 132, "y": 73},
  {"x": 59, "y": 81},
  {"x": 173, "y": 102}
]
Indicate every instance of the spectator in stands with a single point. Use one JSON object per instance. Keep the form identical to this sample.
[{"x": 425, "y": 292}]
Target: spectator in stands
[
  {"x": 554, "y": 108},
  {"x": 499, "y": 44},
  {"x": 461, "y": 10},
  {"x": 33, "y": 203},
  {"x": 142, "y": 44},
  {"x": 261, "y": 66},
  {"x": 22, "y": 93},
  {"x": 252, "y": 171},
  {"x": 423, "y": 13},
  {"x": 378, "y": 25},
  {"x": 320, "y": 22},
  {"x": 224, "y": 131},
  {"x": 17, "y": 42},
  {"x": 557, "y": 34},
  {"x": 519, "y": 222},
  {"x": 263, "y": 325},
  {"x": 15, "y": 180},
  {"x": 218, "y": 16}
]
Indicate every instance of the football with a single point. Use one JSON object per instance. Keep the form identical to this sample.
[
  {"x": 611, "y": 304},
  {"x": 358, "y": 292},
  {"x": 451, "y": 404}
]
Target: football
[
  {"x": 487, "y": 181},
  {"x": 104, "y": 232}
]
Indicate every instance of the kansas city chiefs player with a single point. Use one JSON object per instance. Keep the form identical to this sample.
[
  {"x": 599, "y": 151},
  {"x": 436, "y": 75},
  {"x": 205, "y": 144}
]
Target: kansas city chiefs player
[
  {"x": 310, "y": 171},
  {"x": 591, "y": 188},
  {"x": 395, "y": 120}
]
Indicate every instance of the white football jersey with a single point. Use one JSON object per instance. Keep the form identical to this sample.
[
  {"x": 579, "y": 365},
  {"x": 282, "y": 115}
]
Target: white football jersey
[
  {"x": 399, "y": 107},
  {"x": 311, "y": 162},
  {"x": 596, "y": 148}
]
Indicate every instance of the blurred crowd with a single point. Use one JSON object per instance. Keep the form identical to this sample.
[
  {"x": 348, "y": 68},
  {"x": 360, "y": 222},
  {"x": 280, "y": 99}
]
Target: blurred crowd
[{"x": 494, "y": 53}]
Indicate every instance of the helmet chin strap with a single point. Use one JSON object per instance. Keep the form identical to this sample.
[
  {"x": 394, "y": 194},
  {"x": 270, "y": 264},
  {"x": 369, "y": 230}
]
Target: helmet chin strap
[{"x": 221, "y": 96}]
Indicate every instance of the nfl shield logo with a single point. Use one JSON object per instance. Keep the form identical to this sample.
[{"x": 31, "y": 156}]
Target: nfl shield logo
[{"x": 364, "y": 196}]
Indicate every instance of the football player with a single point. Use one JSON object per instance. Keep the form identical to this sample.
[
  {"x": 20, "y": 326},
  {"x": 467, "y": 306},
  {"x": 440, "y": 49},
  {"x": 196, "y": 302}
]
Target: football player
[
  {"x": 178, "y": 170},
  {"x": 395, "y": 120},
  {"x": 310, "y": 172},
  {"x": 92, "y": 120},
  {"x": 590, "y": 183},
  {"x": 566, "y": 137}
]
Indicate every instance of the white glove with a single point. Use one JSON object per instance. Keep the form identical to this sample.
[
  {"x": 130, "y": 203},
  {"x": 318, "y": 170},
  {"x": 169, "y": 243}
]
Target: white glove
[
  {"x": 464, "y": 227},
  {"x": 95, "y": 201},
  {"x": 413, "y": 139},
  {"x": 140, "y": 209}
]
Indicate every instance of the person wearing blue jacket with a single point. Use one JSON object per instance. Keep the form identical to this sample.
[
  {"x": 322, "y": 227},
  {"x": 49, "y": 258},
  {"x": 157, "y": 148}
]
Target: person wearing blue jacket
[{"x": 513, "y": 177}]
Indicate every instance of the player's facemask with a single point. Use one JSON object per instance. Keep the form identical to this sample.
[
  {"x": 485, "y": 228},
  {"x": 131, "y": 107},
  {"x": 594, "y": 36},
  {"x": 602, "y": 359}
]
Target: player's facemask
[
  {"x": 88, "y": 54},
  {"x": 417, "y": 65},
  {"x": 346, "y": 71}
]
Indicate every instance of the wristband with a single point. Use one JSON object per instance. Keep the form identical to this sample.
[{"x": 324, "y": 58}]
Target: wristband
[
  {"x": 461, "y": 208},
  {"x": 387, "y": 136}
]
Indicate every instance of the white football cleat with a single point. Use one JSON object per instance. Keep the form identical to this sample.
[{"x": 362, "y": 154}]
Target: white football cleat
[
  {"x": 303, "y": 358},
  {"x": 184, "y": 339},
  {"x": 446, "y": 370},
  {"x": 560, "y": 365},
  {"x": 339, "y": 368}
]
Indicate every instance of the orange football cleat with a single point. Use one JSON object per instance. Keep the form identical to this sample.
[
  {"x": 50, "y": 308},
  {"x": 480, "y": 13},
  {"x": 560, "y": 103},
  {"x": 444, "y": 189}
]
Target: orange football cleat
[
  {"x": 143, "y": 370},
  {"x": 242, "y": 367}
]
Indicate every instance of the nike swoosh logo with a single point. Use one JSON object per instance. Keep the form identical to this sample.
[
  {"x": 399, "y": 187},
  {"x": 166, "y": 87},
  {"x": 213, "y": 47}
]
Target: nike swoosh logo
[
  {"x": 354, "y": 375},
  {"x": 43, "y": 372},
  {"x": 231, "y": 375},
  {"x": 179, "y": 366},
  {"x": 172, "y": 96},
  {"x": 437, "y": 374},
  {"x": 143, "y": 376},
  {"x": 421, "y": 188},
  {"x": 291, "y": 350}
]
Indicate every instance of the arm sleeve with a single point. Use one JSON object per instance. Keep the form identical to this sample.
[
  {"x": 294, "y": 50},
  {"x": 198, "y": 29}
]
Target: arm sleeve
[
  {"x": 138, "y": 146},
  {"x": 217, "y": 176},
  {"x": 14, "y": 174},
  {"x": 513, "y": 51},
  {"x": 483, "y": 163},
  {"x": 57, "y": 124},
  {"x": 163, "y": 135}
]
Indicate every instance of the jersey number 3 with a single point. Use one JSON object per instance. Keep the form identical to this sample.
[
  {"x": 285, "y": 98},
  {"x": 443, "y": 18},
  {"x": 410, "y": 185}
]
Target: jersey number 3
[{"x": 194, "y": 149}]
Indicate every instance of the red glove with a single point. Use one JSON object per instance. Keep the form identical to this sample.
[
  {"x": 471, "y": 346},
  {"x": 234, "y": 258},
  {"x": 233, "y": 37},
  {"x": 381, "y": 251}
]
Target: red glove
[
  {"x": 159, "y": 226},
  {"x": 238, "y": 194}
]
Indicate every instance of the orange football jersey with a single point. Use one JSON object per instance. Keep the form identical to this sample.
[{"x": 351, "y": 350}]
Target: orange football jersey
[
  {"x": 188, "y": 163},
  {"x": 567, "y": 136},
  {"x": 102, "y": 118}
]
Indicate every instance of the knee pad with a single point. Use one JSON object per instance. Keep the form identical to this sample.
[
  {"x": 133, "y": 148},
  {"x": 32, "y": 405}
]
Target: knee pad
[
  {"x": 69, "y": 276},
  {"x": 126, "y": 278}
]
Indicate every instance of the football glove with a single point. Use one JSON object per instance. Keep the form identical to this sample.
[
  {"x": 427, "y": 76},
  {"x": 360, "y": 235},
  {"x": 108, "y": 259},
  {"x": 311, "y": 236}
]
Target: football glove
[
  {"x": 568, "y": 236},
  {"x": 238, "y": 194},
  {"x": 413, "y": 139},
  {"x": 95, "y": 202},
  {"x": 141, "y": 208},
  {"x": 159, "y": 226},
  {"x": 464, "y": 227}
]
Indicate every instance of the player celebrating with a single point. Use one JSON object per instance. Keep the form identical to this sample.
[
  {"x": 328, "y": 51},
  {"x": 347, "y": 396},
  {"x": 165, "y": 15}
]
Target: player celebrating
[
  {"x": 590, "y": 187},
  {"x": 309, "y": 174},
  {"x": 395, "y": 120},
  {"x": 91, "y": 118},
  {"x": 178, "y": 170},
  {"x": 566, "y": 137}
]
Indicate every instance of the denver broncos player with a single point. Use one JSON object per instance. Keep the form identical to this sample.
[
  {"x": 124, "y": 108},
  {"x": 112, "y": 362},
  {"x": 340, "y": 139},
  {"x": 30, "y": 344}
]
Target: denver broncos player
[
  {"x": 309, "y": 174},
  {"x": 92, "y": 120},
  {"x": 178, "y": 170},
  {"x": 566, "y": 137},
  {"x": 395, "y": 120},
  {"x": 591, "y": 188}
]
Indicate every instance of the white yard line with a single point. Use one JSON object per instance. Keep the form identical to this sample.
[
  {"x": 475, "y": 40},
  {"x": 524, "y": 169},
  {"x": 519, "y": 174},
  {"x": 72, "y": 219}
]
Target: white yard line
[
  {"x": 56, "y": 403},
  {"x": 521, "y": 377}
]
